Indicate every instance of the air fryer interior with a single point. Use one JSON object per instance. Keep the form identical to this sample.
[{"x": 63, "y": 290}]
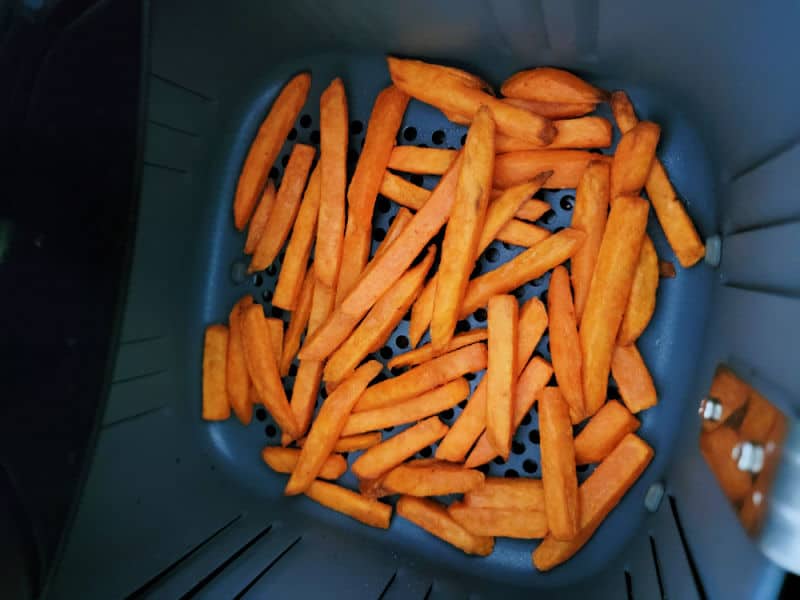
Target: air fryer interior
[{"x": 176, "y": 505}]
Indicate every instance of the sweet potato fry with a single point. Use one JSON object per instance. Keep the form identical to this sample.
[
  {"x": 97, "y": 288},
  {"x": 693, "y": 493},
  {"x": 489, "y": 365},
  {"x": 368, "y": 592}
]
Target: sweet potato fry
[
  {"x": 545, "y": 84},
  {"x": 716, "y": 446},
  {"x": 467, "y": 428},
  {"x": 585, "y": 132},
  {"x": 237, "y": 377},
  {"x": 434, "y": 518},
  {"x": 260, "y": 217},
  {"x": 511, "y": 201},
  {"x": 431, "y": 479},
  {"x": 676, "y": 223},
  {"x": 287, "y": 204},
  {"x": 425, "y": 405},
  {"x": 633, "y": 379},
  {"x": 428, "y": 84},
  {"x": 501, "y": 492},
  {"x": 403, "y": 192},
  {"x": 554, "y": 110},
  {"x": 350, "y": 503},
  {"x": 401, "y": 219},
  {"x": 520, "y": 233},
  {"x": 424, "y": 377},
  {"x": 266, "y": 146},
  {"x": 567, "y": 166},
  {"x": 421, "y": 312},
  {"x": 501, "y": 522},
  {"x": 558, "y": 465},
  {"x": 532, "y": 210},
  {"x": 327, "y": 427},
  {"x": 379, "y": 322},
  {"x": 426, "y": 352},
  {"x": 351, "y": 443},
  {"x": 600, "y": 493},
  {"x": 216, "y": 406},
  {"x": 295, "y": 260},
  {"x": 275, "y": 327},
  {"x": 388, "y": 454},
  {"x": 565, "y": 346},
  {"x": 385, "y": 120},
  {"x": 464, "y": 227},
  {"x": 298, "y": 321},
  {"x": 263, "y": 367},
  {"x": 304, "y": 396},
  {"x": 642, "y": 299},
  {"x": 730, "y": 391},
  {"x": 608, "y": 295},
  {"x": 603, "y": 432},
  {"x": 425, "y": 161},
  {"x": 532, "y": 263},
  {"x": 633, "y": 158},
  {"x": 385, "y": 269},
  {"x": 501, "y": 371},
  {"x": 589, "y": 216},
  {"x": 284, "y": 460},
  {"x": 759, "y": 419},
  {"x": 334, "y": 135}
]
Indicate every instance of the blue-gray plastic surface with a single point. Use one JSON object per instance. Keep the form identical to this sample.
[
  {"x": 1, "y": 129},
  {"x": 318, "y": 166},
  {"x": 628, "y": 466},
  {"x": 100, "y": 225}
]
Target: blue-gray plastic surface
[{"x": 174, "y": 505}]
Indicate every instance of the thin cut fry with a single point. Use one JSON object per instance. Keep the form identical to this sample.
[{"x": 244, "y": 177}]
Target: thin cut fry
[
  {"x": 284, "y": 460},
  {"x": 586, "y": 132},
  {"x": 425, "y": 405},
  {"x": 608, "y": 295},
  {"x": 215, "y": 395},
  {"x": 642, "y": 299},
  {"x": 237, "y": 377},
  {"x": 401, "y": 219},
  {"x": 426, "y": 352},
  {"x": 467, "y": 428},
  {"x": 431, "y": 479},
  {"x": 266, "y": 146},
  {"x": 546, "y": 84},
  {"x": 513, "y": 523},
  {"x": 501, "y": 371},
  {"x": 304, "y": 396},
  {"x": 531, "y": 210},
  {"x": 589, "y": 216},
  {"x": 423, "y": 378},
  {"x": 633, "y": 379},
  {"x": 351, "y": 443},
  {"x": 260, "y": 217},
  {"x": 633, "y": 158},
  {"x": 511, "y": 201},
  {"x": 275, "y": 327},
  {"x": 520, "y": 233},
  {"x": 327, "y": 427},
  {"x": 565, "y": 346},
  {"x": 403, "y": 192},
  {"x": 421, "y": 312},
  {"x": 502, "y": 492},
  {"x": 567, "y": 166},
  {"x": 350, "y": 503},
  {"x": 390, "y": 453},
  {"x": 603, "y": 432},
  {"x": 298, "y": 322},
  {"x": 464, "y": 227},
  {"x": 558, "y": 465},
  {"x": 600, "y": 493},
  {"x": 425, "y": 161},
  {"x": 287, "y": 204}
]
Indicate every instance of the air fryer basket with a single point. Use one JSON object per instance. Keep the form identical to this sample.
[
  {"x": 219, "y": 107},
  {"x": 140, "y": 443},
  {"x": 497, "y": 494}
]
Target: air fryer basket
[{"x": 174, "y": 505}]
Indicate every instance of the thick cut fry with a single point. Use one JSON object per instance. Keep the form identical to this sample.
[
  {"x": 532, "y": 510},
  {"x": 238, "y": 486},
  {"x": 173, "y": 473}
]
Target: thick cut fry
[
  {"x": 633, "y": 379},
  {"x": 295, "y": 260},
  {"x": 384, "y": 122},
  {"x": 426, "y": 352},
  {"x": 520, "y": 233},
  {"x": 284, "y": 460},
  {"x": 633, "y": 158},
  {"x": 603, "y": 432},
  {"x": 676, "y": 223},
  {"x": 608, "y": 295},
  {"x": 266, "y": 146},
  {"x": 642, "y": 299},
  {"x": 565, "y": 346},
  {"x": 530, "y": 264},
  {"x": 433, "y": 518},
  {"x": 467, "y": 428},
  {"x": 600, "y": 493},
  {"x": 586, "y": 132},
  {"x": 431, "y": 479},
  {"x": 429, "y": 85},
  {"x": 554, "y": 110},
  {"x": 401, "y": 219},
  {"x": 216, "y": 406},
  {"x": 425, "y": 405},
  {"x": 298, "y": 322},
  {"x": 304, "y": 396},
  {"x": 379, "y": 322},
  {"x": 558, "y": 465},
  {"x": 351, "y": 443},
  {"x": 350, "y": 503},
  {"x": 327, "y": 427},
  {"x": 425, "y": 377},
  {"x": 531, "y": 210},
  {"x": 388, "y": 454},
  {"x": 501, "y": 371},
  {"x": 501, "y": 492},
  {"x": 237, "y": 377},
  {"x": 717, "y": 446},
  {"x": 385, "y": 269},
  {"x": 513, "y": 168},
  {"x": 464, "y": 227},
  {"x": 260, "y": 217},
  {"x": 730, "y": 391},
  {"x": 513, "y": 523},
  {"x": 403, "y": 192},
  {"x": 287, "y": 204},
  {"x": 546, "y": 84},
  {"x": 425, "y": 161},
  {"x": 275, "y": 327},
  {"x": 535, "y": 376},
  {"x": 589, "y": 216},
  {"x": 263, "y": 367}
]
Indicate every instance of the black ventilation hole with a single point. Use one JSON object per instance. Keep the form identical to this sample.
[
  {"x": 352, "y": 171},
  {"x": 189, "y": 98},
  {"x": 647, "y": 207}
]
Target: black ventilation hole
[
  {"x": 426, "y": 452},
  {"x": 270, "y": 431},
  {"x": 410, "y": 134},
  {"x": 396, "y": 371},
  {"x": 507, "y": 246},
  {"x": 476, "y": 271},
  {"x": 520, "y": 292},
  {"x": 277, "y": 312},
  {"x": 447, "y": 414},
  {"x": 401, "y": 341},
  {"x": 526, "y": 420},
  {"x": 388, "y": 429},
  {"x": 463, "y": 139},
  {"x": 292, "y": 134},
  {"x": 272, "y": 270},
  {"x": 261, "y": 414},
  {"x": 274, "y": 173},
  {"x": 511, "y": 473},
  {"x": 323, "y": 392},
  {"x": 407, "y": 316},
  {"x": 462, "y": 326},
  {"x": 267, "y": 295},
  {"x": 480, "y": 315},
  {"x": 463, "y": 404},
  {"x": 548, "y": 217},
  {"x": 258, "y": 280},
  {"x": 470, "y": 376},
  {"x": 305, "y": 121},
  {"x": 582, "y": 468},
  {"x": 378, "y": 234},
  {"x": 484, "y": 469},
  {"x": 383, "y": 205},
  {"x": 314, "y": 137},
  {"x": 567, "y": 202},
  {"x": 498, "y": 460},
  {"x": 386, "y": 353},
  {"x": 517, "y": 447},
  {"x": 529, "y": 466},
  {"x": 285, "y": 161},
  {"x": 533, "y": 434},
  {"x": 356, "y": 127},
  {"x": 438, "y": 137},
  {"x": 417, "y": 179},
  {"x": 492, "y": 254},
  {"x": 292, "y": 370}
]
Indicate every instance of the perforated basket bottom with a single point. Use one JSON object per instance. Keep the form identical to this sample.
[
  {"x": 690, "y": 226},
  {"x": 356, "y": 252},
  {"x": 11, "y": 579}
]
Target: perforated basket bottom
[{"x": 669, "y": 345}]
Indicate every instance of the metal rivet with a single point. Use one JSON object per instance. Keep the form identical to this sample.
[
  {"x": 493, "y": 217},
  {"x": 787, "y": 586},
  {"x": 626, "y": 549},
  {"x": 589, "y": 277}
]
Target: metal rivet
[
  {"x": 710, "y": 409},
  {"x": 757, "y": 498},
  {"x": 655, "y": 494},
  {"x": 748, "y": 456},
  {"x": 713, "y": 250}
]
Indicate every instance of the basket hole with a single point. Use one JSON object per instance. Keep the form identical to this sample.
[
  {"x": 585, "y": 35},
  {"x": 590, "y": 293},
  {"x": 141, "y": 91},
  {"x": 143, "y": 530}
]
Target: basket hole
[
  {"x": 463, "y": 139},
  {"x": 517, "y": 447},
  {"x": 529, "y": 466},
  {"x": 383, "y": 205},
  {"x": 314, "y": 137},
  {"x": 469, "y": 376},
  {"x": 356, "y": 127},
  {"x": 292, "y": 134},
  {"x": 305, "y": 121},
  {"x": 267, "y": 295},
  {"x": 417, "y": 179},
  {"x": 352, "y": 155},
  {"x": 270, "y": 431},
  {"x": 548, "y": 217},
  {"x": 272, "y": 270},
  {"x": 396, "y": 371},
  {"x": 323, "y": 392},
  {"x": 258, "y": 280},
  {"x": 567, "y": 202},
  {"x": 480, "y": 315},
  {"x": 407, "y": 316},
  {"x": 463, "y": 404},
  {"x": 285, "y": 161},
  {"x": 511, "y": 473},
  {"x": 292, "y": 370},
  {"x": 410, "y": 134},
  {"x": 388, "y": 429},
  {"x": 438, "y": 137},
  {"x": 507, "y": 246},
  {"x": 533, "y": 435},
  {"x": 277, "y": 312},
  {"x": 401, "y": 341},
  {"x": 378, "y": 234},
  {"x": 447, "y": 414},
  {"x": 582, "y": 468},
  {"x": 426, "y": 452},
  {"x": 526, "y": 420},
  {"x": 274, "y": 173},
  {"x": 386, "y": 353},
  {"x": 498, "y": 460},
  {"x": 492, "y": 254},
  {"x": 261, "y": 414}
]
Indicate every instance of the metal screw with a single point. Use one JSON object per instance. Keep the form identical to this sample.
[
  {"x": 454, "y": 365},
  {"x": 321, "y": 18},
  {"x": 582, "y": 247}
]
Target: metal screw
[
  {"x": 713, "y": 251},
  {"x": 710, "y": 409},
  {"x": 655, "y": 493},
  {"x": 757, "y": 498},
  {"x": 748, "y": 456}
]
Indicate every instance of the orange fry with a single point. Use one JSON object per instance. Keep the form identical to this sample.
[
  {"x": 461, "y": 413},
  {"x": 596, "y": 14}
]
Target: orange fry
[
  {"x": 434, "y": 478},
  {"x": 520, "y": 233},
  {"x": 426, "y": 352},
  {"x": 350, "y": 503},
  {"x": 633, "y": 379},
  {"x": 603, "y": 432},
  {"x": 284, "y": 460},
  {"x": 403, "y": 192},
  {"x": 585, "y": 132},
  {"x": 501, "y": 522},
  {"x": 565, "y": 346},
  {"x": 260, "y": 217},
  {"x": 554, "y": 110},
  {"x": 567, "y": 166},
  {"x": 467, "y": 428},
  {"x": 501, "y": 492},
  {"x": 215, "y": 396},
  {"x": 421, "y": 312},
  {"x": 304, "y": 396},
  {"x": 237, "y": 377},
  {"x": 425, "y": 161},
  {"x": 717, "y": 447},
  {"x": 642, "y": 299},
  {"x": 531, "y": 210},
  {"x": 633, "y": 158},
  {"x": 298, "y": 322},
  {"x": 546, "y": 84},
  {"x": 501, "y": 371},
  {"x": 275, "y": 327},
  {"x": 351, "y": 443}
]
